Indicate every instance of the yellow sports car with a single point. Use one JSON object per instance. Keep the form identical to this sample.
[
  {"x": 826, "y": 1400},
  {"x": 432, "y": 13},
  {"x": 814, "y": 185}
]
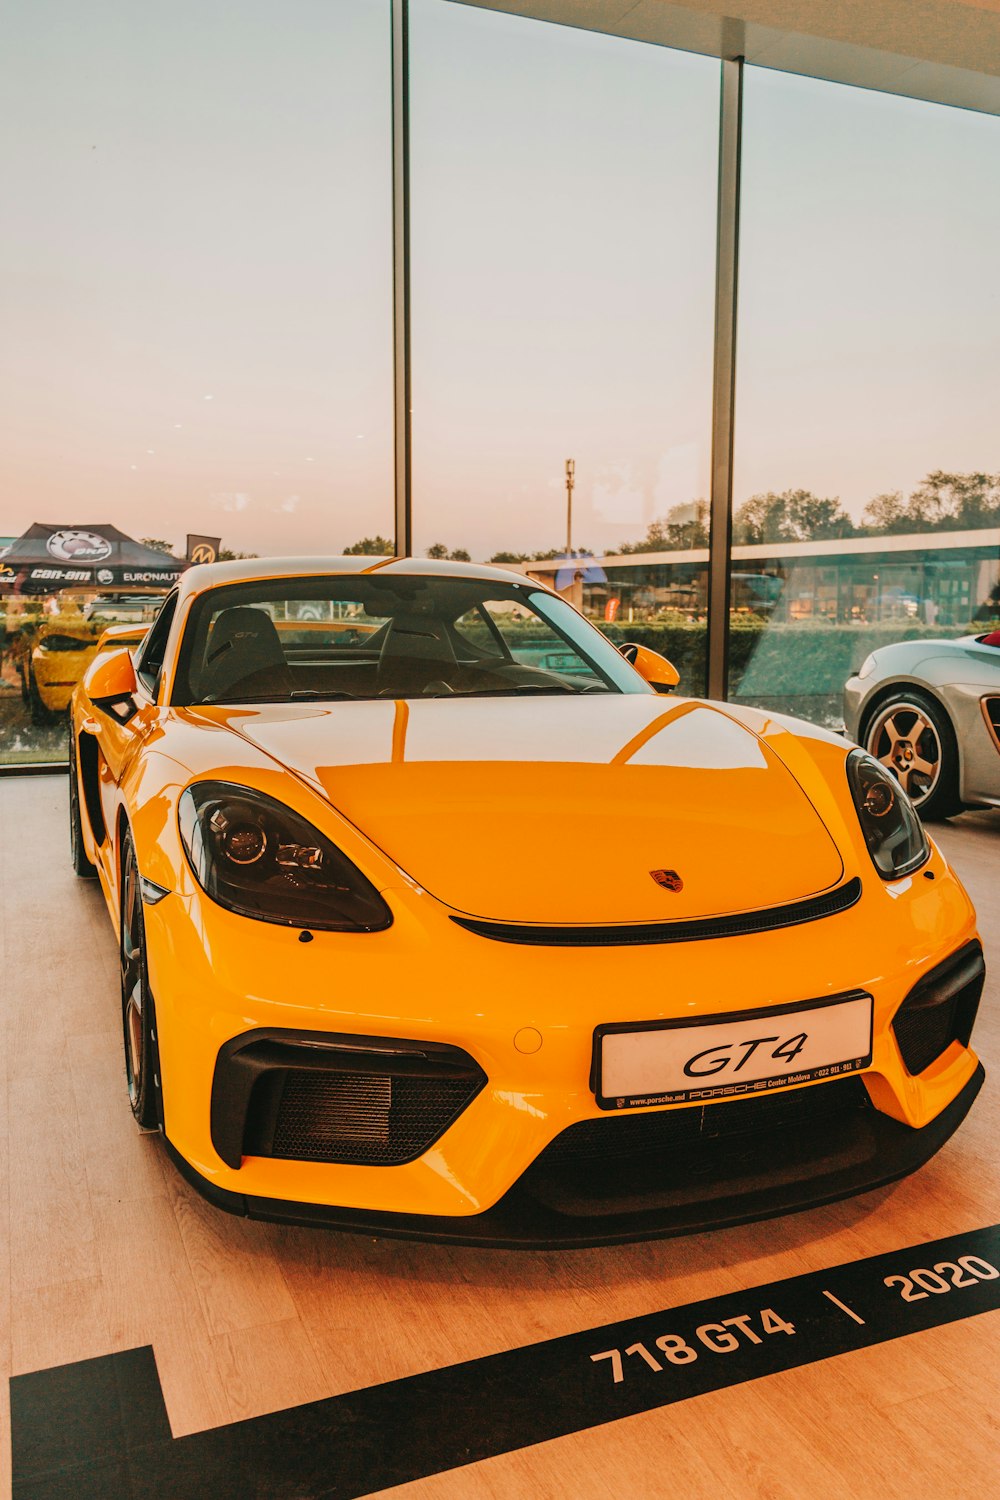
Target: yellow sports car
[
  {"x": 411, "y": 943},
  {"x": 50, "y": 657},
  {"x": 52, "y": 652}
]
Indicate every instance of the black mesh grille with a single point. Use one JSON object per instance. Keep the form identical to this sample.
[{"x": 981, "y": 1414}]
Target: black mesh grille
[
  {"x": 370, "y": 1119},
  {"x": 924, "y": 1034},
  {"x": 635, "y": 1135},
  {"x": 697, "y": 929},
  {"x": 940, "y": 1009}
]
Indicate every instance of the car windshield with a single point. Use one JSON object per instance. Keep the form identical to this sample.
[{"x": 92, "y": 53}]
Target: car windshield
[{"x": 392, "y": 636}]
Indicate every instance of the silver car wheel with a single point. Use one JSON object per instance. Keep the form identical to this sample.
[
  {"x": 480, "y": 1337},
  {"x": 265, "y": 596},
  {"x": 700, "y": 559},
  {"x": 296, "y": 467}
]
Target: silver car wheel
[{"x": 907, "y": 743}]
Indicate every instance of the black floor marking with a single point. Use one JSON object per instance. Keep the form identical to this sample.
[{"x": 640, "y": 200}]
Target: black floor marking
[{"x": 98, "y": 1430}]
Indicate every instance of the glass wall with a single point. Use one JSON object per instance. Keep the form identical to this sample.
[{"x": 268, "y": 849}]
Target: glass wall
[
  {"x": 563, "y": 261},
  {"x": 197, "y": 309},
  {"x": 196, "y": 286},
  {"x": 867, "y": 479}
]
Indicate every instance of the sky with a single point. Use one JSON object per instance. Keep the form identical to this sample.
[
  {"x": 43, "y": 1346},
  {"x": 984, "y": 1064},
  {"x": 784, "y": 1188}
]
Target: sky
[{"x": 196, "y": 288}]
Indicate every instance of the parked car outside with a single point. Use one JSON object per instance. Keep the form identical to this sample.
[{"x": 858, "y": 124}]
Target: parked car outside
[{"x": 929, "y": 711}]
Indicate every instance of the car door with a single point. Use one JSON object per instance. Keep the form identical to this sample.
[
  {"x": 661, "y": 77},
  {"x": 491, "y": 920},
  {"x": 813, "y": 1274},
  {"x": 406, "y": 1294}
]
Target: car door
[{"x": 120, "y": 739}]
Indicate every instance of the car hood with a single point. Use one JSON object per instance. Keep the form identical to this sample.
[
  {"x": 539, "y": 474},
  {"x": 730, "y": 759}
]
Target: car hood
[{"x": 555, "y": 810}]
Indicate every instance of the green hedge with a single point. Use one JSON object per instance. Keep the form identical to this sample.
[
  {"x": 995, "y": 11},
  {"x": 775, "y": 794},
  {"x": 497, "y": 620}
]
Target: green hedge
[{"x": 772, "y": 660}]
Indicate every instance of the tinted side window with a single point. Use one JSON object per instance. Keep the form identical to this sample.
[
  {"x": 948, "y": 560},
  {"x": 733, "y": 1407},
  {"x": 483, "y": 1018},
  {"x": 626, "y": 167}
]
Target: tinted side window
[{"x": 155, "y": 645}]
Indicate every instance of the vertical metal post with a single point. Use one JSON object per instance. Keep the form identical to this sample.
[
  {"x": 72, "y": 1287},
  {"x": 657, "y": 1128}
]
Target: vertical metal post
[
  {"x": 724, "y": 376},
  {"x": 570, "y": 480},
  {"x": 402, "y": 393}
]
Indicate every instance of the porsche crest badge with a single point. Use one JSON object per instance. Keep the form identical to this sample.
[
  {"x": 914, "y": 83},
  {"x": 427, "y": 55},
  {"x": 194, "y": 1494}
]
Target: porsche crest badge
[{"x": 669, "y": 879}]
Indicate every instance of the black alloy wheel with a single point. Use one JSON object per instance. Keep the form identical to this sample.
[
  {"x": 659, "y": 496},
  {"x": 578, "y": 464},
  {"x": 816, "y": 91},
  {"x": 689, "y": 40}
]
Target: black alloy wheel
[
  {"x": 81, "y": 864},
  {"x": 138, "y": 1015},
  {"x": 912, "y": 736}
]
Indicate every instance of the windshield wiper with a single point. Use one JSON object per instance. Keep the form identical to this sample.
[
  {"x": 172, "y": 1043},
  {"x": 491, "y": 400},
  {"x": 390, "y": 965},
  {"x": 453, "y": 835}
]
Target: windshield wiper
[
  {"x": 520, "y": 688},
  {"x": 301, "y": 695}
]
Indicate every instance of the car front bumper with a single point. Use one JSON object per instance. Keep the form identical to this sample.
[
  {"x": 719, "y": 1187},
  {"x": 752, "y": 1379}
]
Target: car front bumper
[
  {"x": 554, "y": 1210},
  {"x": 526, "y": 1018}
]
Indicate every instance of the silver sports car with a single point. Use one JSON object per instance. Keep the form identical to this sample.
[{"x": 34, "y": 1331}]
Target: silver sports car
[{"x": 930, "y": 711}]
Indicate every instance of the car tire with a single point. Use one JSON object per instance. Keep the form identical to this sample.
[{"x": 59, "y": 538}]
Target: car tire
[
  {"x": 40, "y": 715},
  {"x": 138, "y": 1015},
  {"x": 81, "y": 864},
  {"x": 912, "y": 736}
]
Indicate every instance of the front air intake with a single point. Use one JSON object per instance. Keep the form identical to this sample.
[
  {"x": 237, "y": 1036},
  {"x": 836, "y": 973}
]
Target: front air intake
[
  {"x": 369, "y": 1119},
  {"x": 940, "y": 1009},
  {"x": 741, "y": 1123},
  {"x": 322, "y": 1097}
]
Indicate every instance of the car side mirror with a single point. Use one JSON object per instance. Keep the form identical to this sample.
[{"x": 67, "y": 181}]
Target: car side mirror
[
  {"x": 111, "y": 686},
  {"x": 658, "y": 672}
]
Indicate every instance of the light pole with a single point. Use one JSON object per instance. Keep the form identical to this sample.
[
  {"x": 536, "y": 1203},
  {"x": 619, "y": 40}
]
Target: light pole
[{"x": 570, "y": 472}]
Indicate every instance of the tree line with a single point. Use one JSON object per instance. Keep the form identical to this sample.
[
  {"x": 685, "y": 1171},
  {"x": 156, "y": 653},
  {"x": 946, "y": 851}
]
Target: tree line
[{"x": 940, "y": 502}]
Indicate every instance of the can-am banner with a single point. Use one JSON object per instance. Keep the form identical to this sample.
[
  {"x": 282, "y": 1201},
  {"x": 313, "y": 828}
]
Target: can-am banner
[{"x": 48, "y": 558}]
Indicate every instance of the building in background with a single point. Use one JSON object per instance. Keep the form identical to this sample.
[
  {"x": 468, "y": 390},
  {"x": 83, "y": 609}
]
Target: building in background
[{"x": 937, "y": 579}]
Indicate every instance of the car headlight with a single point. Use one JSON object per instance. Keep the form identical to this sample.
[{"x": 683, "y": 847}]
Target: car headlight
[
  {"x": 867, "y": 667},
  {"x": 261, "y": 859},
  {"x": 64, "y": 643},
  {"x": 896, "y": 841}
]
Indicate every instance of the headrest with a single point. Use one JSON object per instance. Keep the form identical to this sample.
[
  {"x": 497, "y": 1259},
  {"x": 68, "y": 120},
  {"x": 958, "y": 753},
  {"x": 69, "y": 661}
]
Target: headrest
[
  {"x": 243, "y": 641},
  {"x": 417, "y": 638}
]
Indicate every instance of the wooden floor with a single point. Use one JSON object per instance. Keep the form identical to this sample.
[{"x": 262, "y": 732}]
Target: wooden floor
[{"x": 104, "y": 1248}]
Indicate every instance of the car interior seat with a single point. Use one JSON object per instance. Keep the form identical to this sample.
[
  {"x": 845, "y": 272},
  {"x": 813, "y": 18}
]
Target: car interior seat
[
  {"x": 417, "y": 651},
  {"x": 243, "y": 654}
]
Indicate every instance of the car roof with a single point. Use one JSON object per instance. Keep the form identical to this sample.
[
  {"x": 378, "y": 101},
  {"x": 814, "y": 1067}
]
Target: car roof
[{"x": 206, "y": 576}]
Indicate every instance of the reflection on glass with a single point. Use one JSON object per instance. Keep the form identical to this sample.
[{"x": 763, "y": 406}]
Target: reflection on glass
[
  {"x": 563, "y": 191},
  {"x": 195, "y": 275},
  {"x": 867, "y": 497},
  {"x": 819, "y": 613},
  {"x": 654, "y": 599}
]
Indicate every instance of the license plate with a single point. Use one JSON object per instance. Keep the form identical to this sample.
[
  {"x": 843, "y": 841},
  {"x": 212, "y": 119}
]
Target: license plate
[{"x": 680, "y": 1062}]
